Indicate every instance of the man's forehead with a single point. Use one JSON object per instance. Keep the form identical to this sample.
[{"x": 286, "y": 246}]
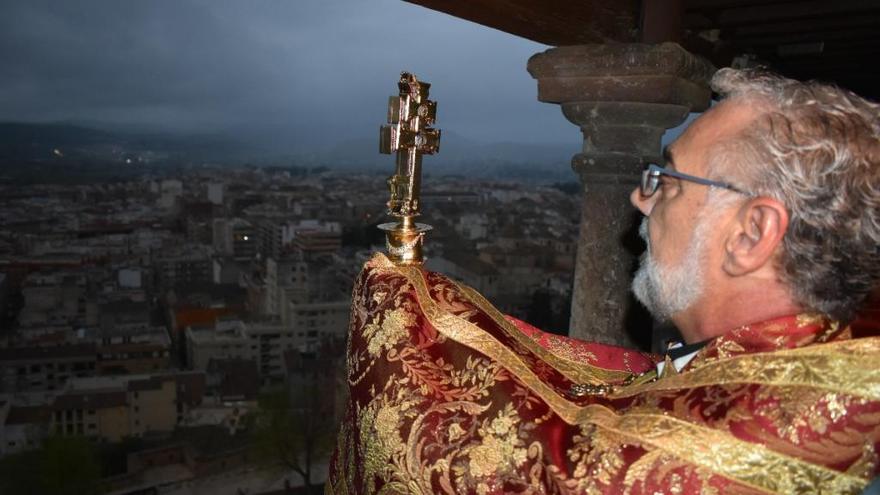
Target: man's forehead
[{"x": 721, "y": 122}]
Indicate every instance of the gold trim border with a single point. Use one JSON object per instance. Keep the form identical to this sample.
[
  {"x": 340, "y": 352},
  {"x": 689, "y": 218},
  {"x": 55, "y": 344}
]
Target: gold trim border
[
  {"x": 848, "y": 367},
  {"x": 577, "y": 372},
  {"x": 721, "y": 453}
]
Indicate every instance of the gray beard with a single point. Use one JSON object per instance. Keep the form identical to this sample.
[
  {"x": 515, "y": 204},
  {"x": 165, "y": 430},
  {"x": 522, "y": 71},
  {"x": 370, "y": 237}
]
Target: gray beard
[{"x": 667, "y": 290}]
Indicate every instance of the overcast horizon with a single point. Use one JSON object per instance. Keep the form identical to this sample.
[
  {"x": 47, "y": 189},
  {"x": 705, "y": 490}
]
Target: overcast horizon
[{"x": 298, "y": 73}]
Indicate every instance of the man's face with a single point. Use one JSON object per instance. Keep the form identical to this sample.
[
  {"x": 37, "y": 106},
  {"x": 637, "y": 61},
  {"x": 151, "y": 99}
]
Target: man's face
[
  {"x": 679, "y": 228},
  {"x": 667, "y": 289}
]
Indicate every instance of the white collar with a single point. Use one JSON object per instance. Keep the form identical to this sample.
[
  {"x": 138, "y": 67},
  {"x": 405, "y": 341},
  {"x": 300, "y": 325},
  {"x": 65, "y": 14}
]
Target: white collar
[{"x": 678, "y": 363}]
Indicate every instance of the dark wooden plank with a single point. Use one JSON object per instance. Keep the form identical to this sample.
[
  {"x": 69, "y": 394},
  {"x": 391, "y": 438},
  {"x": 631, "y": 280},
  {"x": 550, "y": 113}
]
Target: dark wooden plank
[
  {"x": 715, "y": 5},
  {"x": 844, "y": 35},
  {"x": 808, "y": 9},
  {"x": 826, "y": 23},
  {"x": 661, "y": 21},
  {"x": 552, "y": 22}
]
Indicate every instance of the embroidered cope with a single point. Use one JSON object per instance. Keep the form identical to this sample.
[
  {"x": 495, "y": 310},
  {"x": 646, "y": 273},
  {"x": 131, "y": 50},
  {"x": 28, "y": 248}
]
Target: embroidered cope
[{"x": 449, "y": 396}]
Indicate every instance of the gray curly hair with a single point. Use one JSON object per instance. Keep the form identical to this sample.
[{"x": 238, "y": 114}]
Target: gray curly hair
[{"x": 816, "y": 149}]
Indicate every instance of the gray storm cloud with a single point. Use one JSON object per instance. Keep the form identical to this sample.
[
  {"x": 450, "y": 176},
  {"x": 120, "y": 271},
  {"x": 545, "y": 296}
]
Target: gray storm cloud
[{"x": 308, "y": 68}]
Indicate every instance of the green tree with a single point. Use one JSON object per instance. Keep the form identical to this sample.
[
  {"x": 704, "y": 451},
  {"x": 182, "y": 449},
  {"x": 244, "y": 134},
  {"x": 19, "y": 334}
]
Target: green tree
[
  {"x": 295, "y": 428},
  {"x": 62, "y": 466}
]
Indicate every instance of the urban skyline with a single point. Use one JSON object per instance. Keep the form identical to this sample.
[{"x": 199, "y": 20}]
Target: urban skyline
[{"x": 155, "y": 326}]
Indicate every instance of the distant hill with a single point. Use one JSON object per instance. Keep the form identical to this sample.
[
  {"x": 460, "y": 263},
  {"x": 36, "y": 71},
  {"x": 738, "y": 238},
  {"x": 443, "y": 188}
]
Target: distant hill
[
  {"x": 43, "y": 142},
  {"x": 85, "y": 146},
  {"x": 461, "y": 156}
]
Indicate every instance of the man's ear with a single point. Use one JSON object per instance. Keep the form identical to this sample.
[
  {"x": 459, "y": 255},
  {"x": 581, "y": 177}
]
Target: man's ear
[{"x": 754, "y": 235}]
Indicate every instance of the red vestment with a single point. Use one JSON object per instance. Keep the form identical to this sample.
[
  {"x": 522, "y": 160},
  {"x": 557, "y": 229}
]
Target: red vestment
[{"x": 449, "y": 396}]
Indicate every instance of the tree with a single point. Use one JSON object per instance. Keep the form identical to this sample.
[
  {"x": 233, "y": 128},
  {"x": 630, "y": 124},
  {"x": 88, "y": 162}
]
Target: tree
[
  {"x": 62, "y": 466},
  {"x": 295, "y": 428}
]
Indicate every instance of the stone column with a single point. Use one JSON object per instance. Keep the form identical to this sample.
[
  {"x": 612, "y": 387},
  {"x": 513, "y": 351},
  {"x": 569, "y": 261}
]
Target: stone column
[{"x": 623, "y": 97}]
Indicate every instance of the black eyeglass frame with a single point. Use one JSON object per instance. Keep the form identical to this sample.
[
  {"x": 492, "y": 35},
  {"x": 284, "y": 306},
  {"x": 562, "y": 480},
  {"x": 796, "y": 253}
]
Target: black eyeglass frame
[{"x": 651, "y": 180}]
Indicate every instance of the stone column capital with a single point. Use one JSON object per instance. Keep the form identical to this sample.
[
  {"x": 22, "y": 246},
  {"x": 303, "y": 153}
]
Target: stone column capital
[{"x": 665, "y": 73}]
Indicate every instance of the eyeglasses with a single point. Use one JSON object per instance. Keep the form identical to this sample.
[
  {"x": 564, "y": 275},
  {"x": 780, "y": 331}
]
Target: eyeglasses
[{"x": 651, "y": 180}]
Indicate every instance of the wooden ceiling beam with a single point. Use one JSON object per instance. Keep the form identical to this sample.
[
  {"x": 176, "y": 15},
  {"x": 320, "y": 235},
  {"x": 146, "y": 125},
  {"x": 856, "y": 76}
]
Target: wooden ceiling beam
[
  {"x": 828, "y": 23},
  {"x": 551, "y": 22},
  {"x": 714, "y": 5},
  {"x": 756, "y": 15},
  {"x": 859, "y": 34},
  {"x": 841, "y": 56}
]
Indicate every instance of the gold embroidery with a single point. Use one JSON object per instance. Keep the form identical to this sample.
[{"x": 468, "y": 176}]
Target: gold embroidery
[
  {"x": 597, "y": 455},
  {"x": 721, "y": 453},
  {"x": 454, "y": 432},
  {"x": 729, "y": 348},
  {"x": 380, "y": 438},
  {"x": 566, "y": 351},
  {"x": 807, "y": 319},
  {"x": 393, "y": 329},
  {"x": 574, "y": 370},
  {"x": 847, "y": 367},
  {"x": 500, "y": 451},
  {"x": 668, "y": 441},
  {"x": 867, "y": 462}
]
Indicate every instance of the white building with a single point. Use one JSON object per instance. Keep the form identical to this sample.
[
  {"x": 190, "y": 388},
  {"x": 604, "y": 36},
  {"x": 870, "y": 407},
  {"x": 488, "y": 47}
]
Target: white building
[
  {"x": 317, "y": 321},
  {"x": 130, "y": 278},
  {"x": 227, "y": 340},
  {"x": 266, "y": 342},
  {"x": 473, "y": 226},
  {"x": 215, "y": 192}
]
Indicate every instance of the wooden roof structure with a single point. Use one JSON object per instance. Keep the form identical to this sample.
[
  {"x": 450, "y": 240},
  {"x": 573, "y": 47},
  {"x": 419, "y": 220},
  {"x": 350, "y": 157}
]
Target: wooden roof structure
[{"x": 833, "y": 41}]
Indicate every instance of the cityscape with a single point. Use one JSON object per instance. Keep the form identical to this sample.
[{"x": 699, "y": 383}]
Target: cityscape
[{"x": 182, "y": 329}]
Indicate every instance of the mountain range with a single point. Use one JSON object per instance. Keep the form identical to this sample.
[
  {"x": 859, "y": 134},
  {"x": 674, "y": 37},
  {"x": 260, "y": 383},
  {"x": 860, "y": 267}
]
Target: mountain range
[{"x": 66, "y": 143}]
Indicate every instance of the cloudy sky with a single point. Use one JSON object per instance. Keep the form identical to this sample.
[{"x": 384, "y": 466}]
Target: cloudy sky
[{"x": 304, "y": 70}]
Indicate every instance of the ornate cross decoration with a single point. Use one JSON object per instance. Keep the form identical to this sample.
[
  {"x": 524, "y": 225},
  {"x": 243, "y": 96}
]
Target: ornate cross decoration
[{"x": 409, "y": 134}]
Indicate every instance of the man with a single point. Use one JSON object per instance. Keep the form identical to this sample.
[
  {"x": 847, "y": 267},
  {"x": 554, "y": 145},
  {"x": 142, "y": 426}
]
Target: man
[
  {"x": 790, "y": 223},
  {"x": 762, "y": 231}
]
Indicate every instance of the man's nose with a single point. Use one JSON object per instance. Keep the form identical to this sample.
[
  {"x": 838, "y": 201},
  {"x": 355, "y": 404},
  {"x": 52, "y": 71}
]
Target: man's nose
[{"x": 640, "y": 201}]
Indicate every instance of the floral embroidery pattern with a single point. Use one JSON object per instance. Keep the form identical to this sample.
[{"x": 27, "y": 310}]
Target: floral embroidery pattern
[{"x": 447, "y": 396}]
